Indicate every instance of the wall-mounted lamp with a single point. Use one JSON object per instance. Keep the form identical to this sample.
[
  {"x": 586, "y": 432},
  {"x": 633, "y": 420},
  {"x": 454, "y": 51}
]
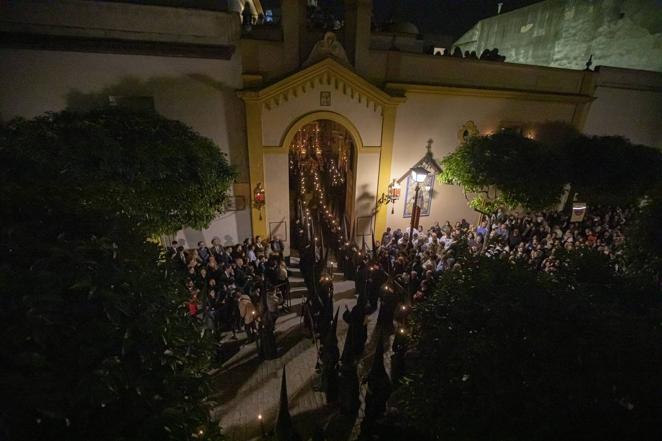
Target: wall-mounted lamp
[
  {"x": 394, "y": 191},
  {"x": 419, "y": 174},
  {"x": 259, "y": 198},
  {"x": 392, "y": 195}
]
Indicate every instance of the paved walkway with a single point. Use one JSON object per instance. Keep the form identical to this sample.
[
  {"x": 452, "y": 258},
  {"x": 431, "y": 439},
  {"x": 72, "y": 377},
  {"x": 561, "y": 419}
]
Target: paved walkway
[{"x": 248, "y": 386}]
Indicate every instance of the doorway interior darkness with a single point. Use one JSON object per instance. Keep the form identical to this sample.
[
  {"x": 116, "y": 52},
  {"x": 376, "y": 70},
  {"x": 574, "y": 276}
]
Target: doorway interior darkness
[{"x": 321, "y": 162}]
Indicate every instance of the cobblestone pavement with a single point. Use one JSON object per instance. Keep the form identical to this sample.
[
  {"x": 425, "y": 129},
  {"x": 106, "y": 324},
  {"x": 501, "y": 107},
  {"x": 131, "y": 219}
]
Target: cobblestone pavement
[{"x": 248, "y": 386}]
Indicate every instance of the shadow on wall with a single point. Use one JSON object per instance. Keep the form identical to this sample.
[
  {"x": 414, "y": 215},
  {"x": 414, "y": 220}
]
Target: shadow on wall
[
  {"x": 228, "y": 241},
  {"x": 207, "y": 105},
  {"x": 235, "y": 124},
  {"x": 365, "y": 201},
  {"x": 192, "y": 237}
]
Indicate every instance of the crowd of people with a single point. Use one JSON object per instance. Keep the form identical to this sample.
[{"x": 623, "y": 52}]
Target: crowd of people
[
  {"x": 234, "y": 288},
  {"x": 487, "y": 54},
  {"x": 244, "y": 287},
  {"x": 533, "y": 239}
]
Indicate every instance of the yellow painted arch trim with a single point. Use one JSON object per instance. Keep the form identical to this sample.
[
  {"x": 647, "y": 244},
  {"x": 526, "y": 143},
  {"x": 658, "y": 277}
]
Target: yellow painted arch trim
[
  {"x": 324, "y": 115},
  {"x": 316, "y": 116}
]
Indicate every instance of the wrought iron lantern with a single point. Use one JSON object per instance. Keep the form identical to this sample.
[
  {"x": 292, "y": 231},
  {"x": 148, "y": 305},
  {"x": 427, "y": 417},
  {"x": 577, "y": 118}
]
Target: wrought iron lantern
[{"x": 392, "y": 195}]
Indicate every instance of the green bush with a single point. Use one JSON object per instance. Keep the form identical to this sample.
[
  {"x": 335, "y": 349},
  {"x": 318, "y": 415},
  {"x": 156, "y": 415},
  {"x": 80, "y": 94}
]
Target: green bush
[
  {"x": 510, "y": 354},
  {"x": 96, "y": 344}
]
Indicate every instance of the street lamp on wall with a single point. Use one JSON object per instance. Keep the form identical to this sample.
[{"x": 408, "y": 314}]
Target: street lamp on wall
[{"x": 419, "y": 175}]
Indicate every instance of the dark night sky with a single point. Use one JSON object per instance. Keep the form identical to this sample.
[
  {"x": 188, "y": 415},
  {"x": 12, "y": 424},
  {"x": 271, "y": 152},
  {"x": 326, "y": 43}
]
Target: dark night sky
[{"x": 453, "y": 17}]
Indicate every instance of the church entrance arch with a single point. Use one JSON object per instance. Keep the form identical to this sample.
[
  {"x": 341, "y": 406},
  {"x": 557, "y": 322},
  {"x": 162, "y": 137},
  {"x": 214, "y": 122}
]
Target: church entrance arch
[
  {"x": 322, "y": 157},
  {"x": 325, "y": 91}
]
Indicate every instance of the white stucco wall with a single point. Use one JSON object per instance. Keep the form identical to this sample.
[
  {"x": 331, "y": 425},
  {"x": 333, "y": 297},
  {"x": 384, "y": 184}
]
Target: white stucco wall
[
  {"x": 198, "y": 92},
  {"x": 367, "y": 173},
  {"x": 634, "y": 114},
  {"x": 119, "y": 20},
  {"x": 440, "y": 117},
  {"x": 277, "y": 181},
  {"x": 277, "y": 120},
  {"x": 627, "y": 103}
]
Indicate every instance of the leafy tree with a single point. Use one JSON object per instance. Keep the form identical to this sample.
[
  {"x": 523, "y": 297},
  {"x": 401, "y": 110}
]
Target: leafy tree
[
  {"x": 504, "y": 170},
  {"x": 517, "y": 168},
  {"x": 609, "y": 170},
  {"x": 643, "y": 248},
  {"x": 510, "y": 354},
  {"x": 138, "y": 171},
  {"x": 601, "y": 170},
  {"x": 507, "y": 170},
  {"x": 96, "y": 342}
]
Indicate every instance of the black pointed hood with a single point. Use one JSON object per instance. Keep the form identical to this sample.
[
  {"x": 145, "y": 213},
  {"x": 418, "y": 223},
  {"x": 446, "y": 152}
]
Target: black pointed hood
[
  {"x": 358, "y": 312},
  {"x": 347, "y": 356},
  {"x": 378, "y": 371},
  {"x": 284, "y": 428},
  {"x": 331, "y": 336},
  {"x": 318, "y": 435}
]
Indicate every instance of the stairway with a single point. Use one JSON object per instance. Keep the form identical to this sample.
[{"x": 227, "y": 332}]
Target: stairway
[{"x": 247, "y": 385}]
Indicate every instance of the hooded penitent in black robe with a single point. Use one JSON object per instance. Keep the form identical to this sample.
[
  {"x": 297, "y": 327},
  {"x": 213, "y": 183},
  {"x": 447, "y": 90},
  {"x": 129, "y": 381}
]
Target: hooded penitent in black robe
[
  {"x": 378, "y": 389},
  {"x": 284, "y": 429},
  {"x": 330, "y": 355}
]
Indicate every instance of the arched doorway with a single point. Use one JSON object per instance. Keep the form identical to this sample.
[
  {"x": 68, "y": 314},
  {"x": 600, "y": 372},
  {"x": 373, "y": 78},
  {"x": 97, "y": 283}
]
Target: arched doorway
[{"x": 322, "y": 165}]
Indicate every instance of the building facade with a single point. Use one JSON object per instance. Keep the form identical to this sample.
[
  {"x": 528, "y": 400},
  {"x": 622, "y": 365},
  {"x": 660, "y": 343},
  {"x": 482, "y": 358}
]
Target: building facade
[
  {"x": 567, "y": 33},
  {"x": 268, "y": 95}
]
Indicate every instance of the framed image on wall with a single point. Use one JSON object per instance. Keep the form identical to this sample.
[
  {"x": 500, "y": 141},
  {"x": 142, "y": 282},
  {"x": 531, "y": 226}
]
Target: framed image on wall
[
  {"x": 325, "y": 98},
  {"x": 278, "y": 229},
  {"x": 424, "y": 196},
  {"x": 364, "y": 231}
]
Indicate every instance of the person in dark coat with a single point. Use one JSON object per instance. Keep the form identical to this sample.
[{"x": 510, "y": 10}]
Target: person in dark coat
[
  {"x": 330, "y": 356},
  {"x": 348, "y": 380},
  {"x": 217, "y": 249},
  {"x": 361, "y": 279},
  {"x": 357, "y": 333},
  {"x": 180, "y": 259},
  {"x": 277, "y": 247},
  {"x": 203, "y": 252},
  {"x": 388, "y": 303},
  {"x": 171, "y": 250},
  {"x": 378, "y": 389},
  {"x": 348, "y": 263},
  {"x": 325, "y": 294},
  {"x": 398, "y": 360},
  {"x": 267, "y": 339},
  {"x": 307, "y": 266},
  {"x": 376, "y": 278}
]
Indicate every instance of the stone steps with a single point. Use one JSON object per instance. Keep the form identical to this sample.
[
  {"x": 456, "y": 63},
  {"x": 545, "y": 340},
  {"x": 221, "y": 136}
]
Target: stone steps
[{"x": 248, "y": 385}]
